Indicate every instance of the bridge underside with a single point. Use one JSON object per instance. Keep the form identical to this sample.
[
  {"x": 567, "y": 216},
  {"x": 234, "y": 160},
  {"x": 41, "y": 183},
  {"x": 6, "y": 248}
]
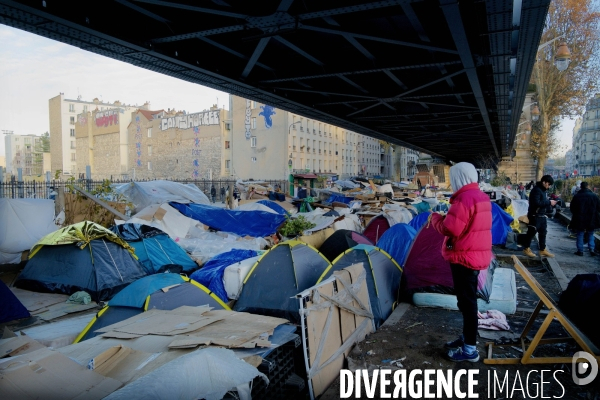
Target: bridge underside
[{"x": 442, "y": 77}]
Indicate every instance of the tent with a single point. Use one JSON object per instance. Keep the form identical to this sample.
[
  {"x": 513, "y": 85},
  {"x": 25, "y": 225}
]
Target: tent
[
  {"x": 211, "y": 273},
  {"x": 501, "y": 221},
  {"x": 396, "y": 241},
  {"x": 376, "y": 228},
  {"x": 159, "y": 291},
  {"x": 143, "y": 194},
  {"x": 251, "y": 223},
  {"x": 420, "y": 220},
  {"x": 11, "y": 308},
  {"x": 154, "y": 248},
  {"x": 24, "y": 222},
  {"x": 282, "y": 272},
  {"x": 581, "y": 297},
  {"x": 425, "y": 270},
  {"x": 274, "y": 206},
  {"x": 383, "y": 277},
  {"x": 84, "y": 256},
  {"x": 340, "y": 241}
]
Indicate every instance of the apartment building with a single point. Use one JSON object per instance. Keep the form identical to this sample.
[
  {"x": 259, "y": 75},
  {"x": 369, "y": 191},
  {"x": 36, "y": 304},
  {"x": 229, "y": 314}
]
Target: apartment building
[
  {"x": 586, "y": 140},
  {"x": 25, "y": 152}
]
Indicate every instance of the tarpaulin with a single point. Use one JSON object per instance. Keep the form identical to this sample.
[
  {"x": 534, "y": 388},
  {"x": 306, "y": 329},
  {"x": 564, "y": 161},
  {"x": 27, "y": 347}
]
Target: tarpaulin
[
  {"x": 501, "y": 221},
  {"x": 211, "y": 274},
  {"x": 251, "y": 223}
]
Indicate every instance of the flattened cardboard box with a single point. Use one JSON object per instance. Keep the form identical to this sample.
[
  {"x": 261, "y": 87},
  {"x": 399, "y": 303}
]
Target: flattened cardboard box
[{"x": 47, "y": 374}]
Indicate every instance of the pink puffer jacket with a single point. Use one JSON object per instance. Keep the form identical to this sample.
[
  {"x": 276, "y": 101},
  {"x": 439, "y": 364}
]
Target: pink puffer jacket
[{"x": 467, "y": 227}]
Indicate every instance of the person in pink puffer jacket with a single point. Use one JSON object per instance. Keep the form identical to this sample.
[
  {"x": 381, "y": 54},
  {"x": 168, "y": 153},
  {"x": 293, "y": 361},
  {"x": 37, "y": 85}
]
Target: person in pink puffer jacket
[{"x": 468, "y": 248}]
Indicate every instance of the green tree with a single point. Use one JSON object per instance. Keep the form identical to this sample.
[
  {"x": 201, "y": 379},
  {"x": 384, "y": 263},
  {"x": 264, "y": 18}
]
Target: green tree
[{"x": 561, "y": 94}]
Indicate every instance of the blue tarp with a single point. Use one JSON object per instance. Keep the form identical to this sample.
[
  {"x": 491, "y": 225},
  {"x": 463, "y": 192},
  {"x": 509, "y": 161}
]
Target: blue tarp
[
  {"x": 11, "y": 308},
  {"x": 339, "y": 199},
  {"x": 501, "y": 221},
  {"x": 135, "y": 294},
  {"x": 211, "y": 274},
  {"x": 273, "y": 206},
  {"x": 396, "y": 241},
  {"x": 418, "y": 221},
  {"x": 154, "y": 248},
  {"x": 251, "y": 223}
]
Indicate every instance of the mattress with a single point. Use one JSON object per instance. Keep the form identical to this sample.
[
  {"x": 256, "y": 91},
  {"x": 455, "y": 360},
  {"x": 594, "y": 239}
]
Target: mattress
[{"x": 503, "y": 297}]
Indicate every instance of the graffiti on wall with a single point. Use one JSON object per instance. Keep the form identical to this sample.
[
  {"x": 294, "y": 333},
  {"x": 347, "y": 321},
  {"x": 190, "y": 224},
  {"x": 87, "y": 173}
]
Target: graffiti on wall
[
  {"x": 190, "y": 120},
  {"x": 196, "y": 153},
  {"x": 247, "y": 119},
  {"x": 138, "y": 141},
  {"x": 106, "y": 118},
  {"x": 267, "y": 112},
  {"x": 82, "y": 119}
]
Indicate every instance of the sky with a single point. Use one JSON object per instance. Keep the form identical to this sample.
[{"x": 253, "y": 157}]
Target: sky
[{"x": 34, "y": 69}]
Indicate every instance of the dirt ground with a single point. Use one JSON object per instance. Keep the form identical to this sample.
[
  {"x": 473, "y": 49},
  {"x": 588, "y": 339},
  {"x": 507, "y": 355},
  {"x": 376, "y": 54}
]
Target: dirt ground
[{"x": 419, "y": 335}]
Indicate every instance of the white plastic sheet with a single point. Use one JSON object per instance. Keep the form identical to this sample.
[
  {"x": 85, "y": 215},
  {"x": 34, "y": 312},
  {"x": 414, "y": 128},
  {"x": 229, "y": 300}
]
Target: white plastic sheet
[
  {"x": 350, "y": 222},
  {"x": 203, "y": 374},
  {"x": 165, "y": 218},
  {"x": 23, "y": 223},
  {"x": 203, "y": 245},
  {"x": 396, "y": 213},
  {"x": 520, "y": 207},
  {"x": 143, "y": 194},
  {"x": 255, "y": 207}
]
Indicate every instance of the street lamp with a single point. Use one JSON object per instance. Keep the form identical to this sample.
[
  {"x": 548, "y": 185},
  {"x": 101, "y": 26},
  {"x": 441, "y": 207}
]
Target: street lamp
[{"x": 292, "y": 124}]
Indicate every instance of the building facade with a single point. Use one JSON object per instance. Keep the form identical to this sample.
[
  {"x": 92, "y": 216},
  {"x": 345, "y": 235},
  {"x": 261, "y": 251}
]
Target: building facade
[
  {"x": 269, "y": 143},
  {"x": 586, "y": 140},
  {"x": 176, "y": 145},
  {"x": 25, "y": 152},
  {"x": 63, "y": 118}
]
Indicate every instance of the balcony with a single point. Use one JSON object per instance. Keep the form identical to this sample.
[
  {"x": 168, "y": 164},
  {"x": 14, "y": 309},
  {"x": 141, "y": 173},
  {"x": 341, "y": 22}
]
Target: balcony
[
  {"x": 314, "y": 131},
  {"x": 301, "y": 129},
  {"x": 294, "y": 148},
  {"x": 319, "y": 151},
  {"x": 308, "y": 149},
  {"x": 329, "y": 152},
  {"x": 314, "y": 151}
]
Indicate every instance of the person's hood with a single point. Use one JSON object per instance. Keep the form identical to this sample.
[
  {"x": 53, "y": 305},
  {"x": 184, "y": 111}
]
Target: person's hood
[
  {"x": 462, "y": 174},
  {"x": 578, "y": 183}
]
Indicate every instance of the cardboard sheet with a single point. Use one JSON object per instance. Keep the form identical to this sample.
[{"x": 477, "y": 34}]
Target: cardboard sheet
[
  {"x": 61, "y": 309},
  {"x": 34, "y": 301},
  {"x": 48, "y": 374},
  {"x": 12, "y": 344}
]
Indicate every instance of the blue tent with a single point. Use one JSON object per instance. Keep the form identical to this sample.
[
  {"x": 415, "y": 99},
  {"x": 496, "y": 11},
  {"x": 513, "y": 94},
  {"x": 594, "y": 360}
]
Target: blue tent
[
  {"x": 397, "y": 240},
  {"x": 11, "y": 306},
  {"x": 420, "y": 220},
  {"x": 251, "y": 223},
  {"x": 154, "y": 248},
  {"x": 501, "y": 221},
  {"x": 211, "y": 273},
  {"x": 273, "y": 206}
]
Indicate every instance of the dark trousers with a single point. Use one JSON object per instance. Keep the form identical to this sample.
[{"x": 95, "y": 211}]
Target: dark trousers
[
  {"x": 539, "y": 225},
  {"x": 465, "y": 288}
]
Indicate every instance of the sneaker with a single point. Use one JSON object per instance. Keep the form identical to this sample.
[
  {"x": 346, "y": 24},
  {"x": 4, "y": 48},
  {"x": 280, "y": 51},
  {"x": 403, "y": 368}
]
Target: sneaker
[
  {"x": 579, "y": 253},
  {"x": 546, "y": 253},
  {"x": 593, "y": 253},
  {"x": 458, "y": 355},
  {"x": 529, "y": 253},
  {"x": 454, "y": 344}
]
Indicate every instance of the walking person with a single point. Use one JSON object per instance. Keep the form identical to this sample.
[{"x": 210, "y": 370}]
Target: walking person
[
  {"x": 468, "y": 248},
  {"x": 539, "y": 206},
  {"x": 213, "y": 193},
  {"x": 585, "y": 207},
  {"x": 222, "y": 194}
]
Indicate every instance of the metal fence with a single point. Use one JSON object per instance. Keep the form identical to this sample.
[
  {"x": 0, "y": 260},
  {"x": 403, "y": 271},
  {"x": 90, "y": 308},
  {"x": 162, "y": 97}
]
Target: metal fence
[{"x": 49, "y": 189}]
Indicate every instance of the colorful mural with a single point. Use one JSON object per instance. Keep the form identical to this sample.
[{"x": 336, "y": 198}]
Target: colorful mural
[
  {"x": 82, "y": 119},
  {"x": 106, "y": 118},
  {"x": 196, "y": 153},
  {"x": 190, "y": 120},
  {"x": 248, "y": 134},
  {"x": 267, "y": 112},
  {"x": 138, "y": 142}
]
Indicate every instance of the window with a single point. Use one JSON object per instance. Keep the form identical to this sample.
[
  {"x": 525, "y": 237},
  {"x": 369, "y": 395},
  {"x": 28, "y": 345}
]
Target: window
[
  {"x": 149, "y": 166},
  {"x": 253, "y": 141},
  {"x": 253, "y": 105},
  {"x": 254, "y": 123},
  {"x": 227, "y": 126},
  {"x": 73, "y": 144},
  {"x": 227, "y": 145},
  {"x": 253, "y": 159},
  {"x": 72, "y": 120},
  {"x": 72, "y": 156},
  {"x": 72, "y": 132},
  {"x": 84, "y": 108},
  {"x": 72, "y": 107},
  {"x": 149, "y": 132},
  {"x": 149, "y": 149},
  {"x": 227, "y": 164}
]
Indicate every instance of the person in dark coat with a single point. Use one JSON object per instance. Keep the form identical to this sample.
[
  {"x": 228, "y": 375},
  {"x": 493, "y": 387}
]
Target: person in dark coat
[
  {"x": 222, "y": 194},
  {"x": 539, "y": 206},
  {"x": 585, "y": 207},
  {"x": 213, "y": 193}
]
